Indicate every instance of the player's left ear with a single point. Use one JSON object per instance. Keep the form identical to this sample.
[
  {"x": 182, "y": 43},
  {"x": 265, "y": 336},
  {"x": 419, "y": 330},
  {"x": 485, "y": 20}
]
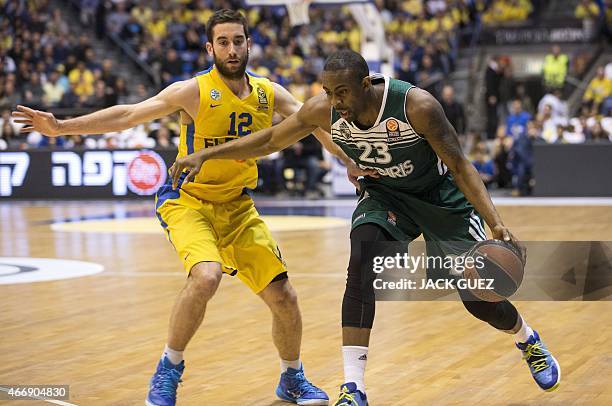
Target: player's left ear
[{"x": 366, "y": 82}]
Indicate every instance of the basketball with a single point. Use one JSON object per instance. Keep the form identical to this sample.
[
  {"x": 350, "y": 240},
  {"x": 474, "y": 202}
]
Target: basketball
[{"x": 498, "y": 262}]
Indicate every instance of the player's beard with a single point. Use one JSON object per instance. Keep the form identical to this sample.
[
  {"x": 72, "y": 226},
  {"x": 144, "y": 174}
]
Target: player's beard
[{"x": 229, "y": 74}]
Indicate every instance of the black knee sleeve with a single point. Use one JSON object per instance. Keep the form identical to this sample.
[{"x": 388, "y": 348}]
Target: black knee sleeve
[
  {"x": 358, "y": 304},
  {"x": 501, "y": 315}
]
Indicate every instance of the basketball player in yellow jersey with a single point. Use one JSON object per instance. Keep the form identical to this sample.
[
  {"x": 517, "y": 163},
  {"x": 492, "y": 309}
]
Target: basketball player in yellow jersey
[{"x": 211, "y": 223}]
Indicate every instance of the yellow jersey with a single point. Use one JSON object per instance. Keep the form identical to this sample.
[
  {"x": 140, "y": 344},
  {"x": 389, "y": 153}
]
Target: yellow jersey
[{"x": 223, "y": 117}]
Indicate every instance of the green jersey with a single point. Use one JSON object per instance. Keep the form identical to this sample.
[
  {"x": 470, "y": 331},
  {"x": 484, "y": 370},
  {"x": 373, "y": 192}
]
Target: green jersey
[{"x": 404, "y": 159}]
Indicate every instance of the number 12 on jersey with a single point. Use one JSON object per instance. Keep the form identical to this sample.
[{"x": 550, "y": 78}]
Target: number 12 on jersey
[{"x": 241, "y": 125}]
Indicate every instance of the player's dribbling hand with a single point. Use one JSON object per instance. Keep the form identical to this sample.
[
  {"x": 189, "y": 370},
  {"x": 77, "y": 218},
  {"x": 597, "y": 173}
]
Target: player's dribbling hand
[
  {"x": 353, "y": 172},
  {"x": 191, "y": 164},
  {"x": 502, "y": 233},
  {"x": 34, "y": 120}
]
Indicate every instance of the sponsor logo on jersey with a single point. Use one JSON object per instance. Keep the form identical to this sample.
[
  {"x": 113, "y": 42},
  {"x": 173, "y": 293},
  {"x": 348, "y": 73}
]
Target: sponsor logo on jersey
[
  {"x": 392, "y": 128},
  {"x": 263, "y": 99},
  {"x": 396, "y": 171},
  {"x": 344, "y": 129},
  {"x": 215, "y": 94},
  {"x": 146, "y": 173}
]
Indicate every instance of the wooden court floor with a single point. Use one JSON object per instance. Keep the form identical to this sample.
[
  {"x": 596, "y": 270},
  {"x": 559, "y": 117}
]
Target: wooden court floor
[{"x": 103, "y": 334}]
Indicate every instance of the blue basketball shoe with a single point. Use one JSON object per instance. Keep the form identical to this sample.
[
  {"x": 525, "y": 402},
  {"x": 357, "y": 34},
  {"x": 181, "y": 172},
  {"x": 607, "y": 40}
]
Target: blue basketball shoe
[
  {"x": 351, "y": 396},
  {"x": 543, "y": 366},
  {"x": 295, "y": 388},
  {"x": 162, "y": 389}
]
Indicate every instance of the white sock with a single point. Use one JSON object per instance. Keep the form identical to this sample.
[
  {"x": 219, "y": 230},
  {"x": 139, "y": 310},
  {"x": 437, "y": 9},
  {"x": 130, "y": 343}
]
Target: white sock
[
  {"x": 355, "y": 359},
  {"x": 174, "y": 356},
  {"x": 524, "y": 333},
  {"x": 297, "y": 364}
]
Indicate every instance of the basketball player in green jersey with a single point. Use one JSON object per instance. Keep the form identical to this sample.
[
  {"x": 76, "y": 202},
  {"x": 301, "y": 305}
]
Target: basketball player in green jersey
[{"x": 425, "y": 186}]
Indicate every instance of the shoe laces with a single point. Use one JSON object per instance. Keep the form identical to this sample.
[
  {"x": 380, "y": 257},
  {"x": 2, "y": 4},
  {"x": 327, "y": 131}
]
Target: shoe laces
[
  {"x": 166, "y": 381},
  {"x": 536, "y": 355},
  {"x": 302, "y": 385},
  {"x": 345, "y": 395}
]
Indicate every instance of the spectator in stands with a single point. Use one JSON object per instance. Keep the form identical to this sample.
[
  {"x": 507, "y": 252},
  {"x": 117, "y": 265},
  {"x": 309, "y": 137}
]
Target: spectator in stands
[
  {"x": 72, "y": 100},
  {"x": 53, "y": 90},
  {"x": 9, "y": 131},
  {"x": 88, "y": 11},
  {"x": 579, "y": 126},
  {"x": 10, "y": 97},
  {"x": 506, "y": 11},
  {"x": 91, "y": 61},
  {"x": 163, "y": 138},
  {"x": 516, "y": 123},
  {"x": 507, "y": 91},
  {"x": 108, "y": 74},
  {"x": 142, "y": 14},
  {"x": 453, "y": 110},
  {"x": 306, "y": 156},
  {"x": 560, "y": 139},
  {"x": 172, "y": 68},
  {"x": 429, "y": 76},
  {"x": 52, "y": 142},
  {"x": 502, "y": 146},
  {"x": 587, "y": 11},
  {"x": 82, "y": 80},
  {"x": 493, "y": 77},
  {"x": 82, "y": 47},
  {"x": 119, "y": 93},
  {"x": 407, "y": 69},
  {"x": 522, "y": 160},
  {"x": 484, "y": 164},
  {"x": 525, "y": 99},
  {"x": 76, "y": 142},
  {"x": 557, "y": 104},
  {"x": 598, "y": 89},
  {"x": 33, "y": 91},
  {"x": 598, "y": 134},
  {"x": 140, "y": 95},
  {"x": 555, "y": 68},
  {"x": 131, "y": 31},
  {"x": 99, "y": 99},
  {"x": 549, "y": 124},
  {"x": 117, "y": 18},
  {"x": 270, "y": 169}
]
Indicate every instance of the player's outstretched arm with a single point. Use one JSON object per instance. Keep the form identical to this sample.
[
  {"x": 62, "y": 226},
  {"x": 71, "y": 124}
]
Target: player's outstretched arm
[
  {"x": 428, "y": 118},
  {"x": 285, "y": 104},
  {"x": 115, "y": 118},
  {"x": 261, "y": 143}
]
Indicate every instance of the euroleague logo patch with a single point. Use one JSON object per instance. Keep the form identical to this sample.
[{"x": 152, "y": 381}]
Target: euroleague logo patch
[
  {"x": 146, "y": 173},
  {"x": 392, "y": 128},
  {"x": 28, "y": 270}
]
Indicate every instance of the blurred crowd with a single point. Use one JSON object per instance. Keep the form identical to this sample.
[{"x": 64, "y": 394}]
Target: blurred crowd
[
  {"x": 46, "y": 64},
  {"x": 515, "y": 121}
]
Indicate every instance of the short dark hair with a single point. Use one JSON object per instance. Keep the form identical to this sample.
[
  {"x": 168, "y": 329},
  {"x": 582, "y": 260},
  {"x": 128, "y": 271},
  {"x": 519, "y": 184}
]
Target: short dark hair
[
  {"x": 226, "y": 16},
  {"x": 347, "y": 59}
]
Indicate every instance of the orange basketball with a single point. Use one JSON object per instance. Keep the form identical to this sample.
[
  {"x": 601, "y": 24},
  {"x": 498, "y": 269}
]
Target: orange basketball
[{"x": 499, "y": 268}]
